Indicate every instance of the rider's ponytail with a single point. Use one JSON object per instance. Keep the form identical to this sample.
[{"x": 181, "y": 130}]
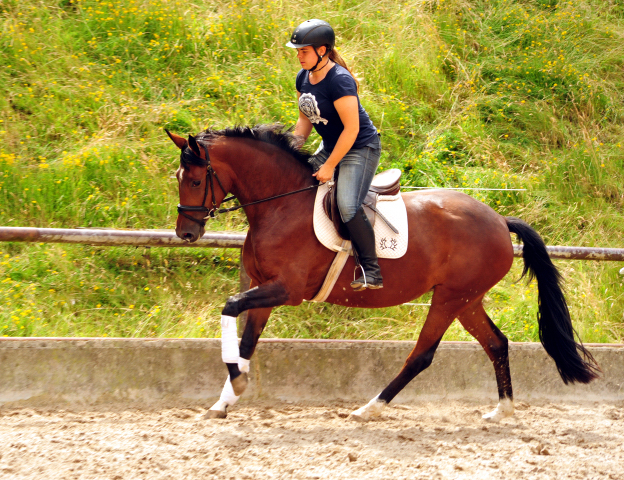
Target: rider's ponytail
[{"x": 335, "y": 57}]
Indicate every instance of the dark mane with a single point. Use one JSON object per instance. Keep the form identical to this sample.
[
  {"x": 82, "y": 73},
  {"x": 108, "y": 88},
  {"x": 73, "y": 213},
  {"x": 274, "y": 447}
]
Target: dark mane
[{"x": 273, "y": 134}]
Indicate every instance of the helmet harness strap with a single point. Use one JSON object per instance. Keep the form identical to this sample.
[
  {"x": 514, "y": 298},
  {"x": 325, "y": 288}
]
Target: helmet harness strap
[{"x": 320, "y": 58}]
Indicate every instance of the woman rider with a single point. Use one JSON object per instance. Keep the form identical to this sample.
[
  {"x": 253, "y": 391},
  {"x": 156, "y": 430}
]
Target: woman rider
[{"x": 328, "y": 100}]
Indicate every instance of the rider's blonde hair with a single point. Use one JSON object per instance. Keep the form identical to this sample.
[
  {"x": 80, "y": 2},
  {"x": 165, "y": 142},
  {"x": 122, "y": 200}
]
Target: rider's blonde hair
[{"x": 335, "y": 57}]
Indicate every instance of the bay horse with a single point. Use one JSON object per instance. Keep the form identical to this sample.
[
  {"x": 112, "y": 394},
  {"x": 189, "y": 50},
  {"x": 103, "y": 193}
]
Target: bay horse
[{"x": 458, "y": 247}]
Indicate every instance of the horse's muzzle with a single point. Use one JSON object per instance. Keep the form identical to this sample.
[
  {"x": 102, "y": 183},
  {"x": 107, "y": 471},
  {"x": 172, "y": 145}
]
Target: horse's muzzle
[{"x": 190, "y": 234}]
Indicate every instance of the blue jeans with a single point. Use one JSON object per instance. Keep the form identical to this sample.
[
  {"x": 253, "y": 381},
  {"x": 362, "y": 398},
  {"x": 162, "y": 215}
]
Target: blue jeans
[{"x": 353, "y": 175}]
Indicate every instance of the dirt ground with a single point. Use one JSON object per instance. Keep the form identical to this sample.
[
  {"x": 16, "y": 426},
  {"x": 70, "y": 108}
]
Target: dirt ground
[{"x": 310, "y": 441}]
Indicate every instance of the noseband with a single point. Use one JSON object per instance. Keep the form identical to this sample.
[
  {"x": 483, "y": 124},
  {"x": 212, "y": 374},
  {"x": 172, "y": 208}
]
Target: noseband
[{"x": 188, "y": 156}]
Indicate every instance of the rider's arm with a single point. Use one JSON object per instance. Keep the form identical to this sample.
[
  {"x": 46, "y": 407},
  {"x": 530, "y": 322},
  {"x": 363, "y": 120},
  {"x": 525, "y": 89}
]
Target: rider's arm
[
  {"x": 347, "y": 108},
  {"x": 303, "y": 126}
]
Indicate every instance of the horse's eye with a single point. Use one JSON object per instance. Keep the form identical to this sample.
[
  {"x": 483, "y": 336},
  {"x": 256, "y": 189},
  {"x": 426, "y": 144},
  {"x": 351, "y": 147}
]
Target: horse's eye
[{"x": 196, "y": 183}]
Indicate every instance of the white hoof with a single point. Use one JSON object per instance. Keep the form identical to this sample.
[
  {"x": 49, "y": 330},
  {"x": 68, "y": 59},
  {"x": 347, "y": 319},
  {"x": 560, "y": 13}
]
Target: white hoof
[
  {"x": 504, "y": 409},
  {"x": 371, "y": 410}
]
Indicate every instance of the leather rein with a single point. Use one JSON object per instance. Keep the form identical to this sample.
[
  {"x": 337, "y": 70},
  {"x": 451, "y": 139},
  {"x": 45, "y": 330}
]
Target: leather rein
[{"x": 188, "y": 155}]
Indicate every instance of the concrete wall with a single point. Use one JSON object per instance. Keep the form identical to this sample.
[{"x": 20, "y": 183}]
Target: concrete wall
[{"x": 179, "y": 372}]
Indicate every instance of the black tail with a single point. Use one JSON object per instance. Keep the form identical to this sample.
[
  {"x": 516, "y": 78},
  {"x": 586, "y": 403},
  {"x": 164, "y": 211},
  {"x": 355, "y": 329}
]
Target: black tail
[{"x": 574, "y": 362}]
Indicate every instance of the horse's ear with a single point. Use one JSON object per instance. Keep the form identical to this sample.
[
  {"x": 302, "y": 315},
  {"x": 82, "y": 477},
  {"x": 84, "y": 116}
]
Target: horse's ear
[
  {"x": 194, "y": 145},
  {"x": 180, "y": 142}
]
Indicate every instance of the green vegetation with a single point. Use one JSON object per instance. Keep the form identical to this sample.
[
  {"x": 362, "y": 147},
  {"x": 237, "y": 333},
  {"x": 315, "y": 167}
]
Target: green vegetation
[{"x": 500, "y": 94}]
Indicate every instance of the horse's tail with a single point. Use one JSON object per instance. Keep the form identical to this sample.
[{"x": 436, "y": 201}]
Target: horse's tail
[{"x": 574, "y": 362}]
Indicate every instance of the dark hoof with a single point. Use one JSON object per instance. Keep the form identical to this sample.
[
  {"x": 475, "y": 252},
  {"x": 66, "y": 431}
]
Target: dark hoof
[
  {"x": 239, "y": 384},
  {"x": 210, "y": 414}
]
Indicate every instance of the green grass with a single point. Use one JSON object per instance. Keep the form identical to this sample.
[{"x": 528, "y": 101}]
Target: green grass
[{"x": 501, "y": 94}]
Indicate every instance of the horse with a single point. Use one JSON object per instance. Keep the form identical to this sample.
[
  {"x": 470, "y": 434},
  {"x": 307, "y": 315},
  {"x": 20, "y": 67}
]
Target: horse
[{"x": 459, "y": 248}]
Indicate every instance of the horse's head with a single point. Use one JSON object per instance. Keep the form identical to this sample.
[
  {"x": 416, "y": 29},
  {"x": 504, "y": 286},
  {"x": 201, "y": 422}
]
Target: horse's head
[{"x": 201, "y": 189}]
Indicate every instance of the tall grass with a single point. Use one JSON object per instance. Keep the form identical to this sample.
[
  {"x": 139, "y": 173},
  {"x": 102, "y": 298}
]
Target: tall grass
[{"x": 493, "y": 94}]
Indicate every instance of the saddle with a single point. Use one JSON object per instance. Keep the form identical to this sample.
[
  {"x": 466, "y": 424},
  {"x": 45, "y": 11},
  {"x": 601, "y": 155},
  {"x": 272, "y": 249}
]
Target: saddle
[{"x": 384, "y": 183}]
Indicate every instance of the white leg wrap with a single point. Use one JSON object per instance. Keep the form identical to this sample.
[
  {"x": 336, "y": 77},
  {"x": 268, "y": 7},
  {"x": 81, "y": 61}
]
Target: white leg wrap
[
  {"x": 229, "y": 340},
  {"x": 505, "y": 408},
  {"x": 370, "y": 410},
  {"x": 243, "y": 365},
  {"x": 220, "y": 406},
  {"x": 227, "y": 396}
]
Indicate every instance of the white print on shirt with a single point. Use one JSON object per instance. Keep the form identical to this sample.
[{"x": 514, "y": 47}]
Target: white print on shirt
[{"x": 309, "y": 107}]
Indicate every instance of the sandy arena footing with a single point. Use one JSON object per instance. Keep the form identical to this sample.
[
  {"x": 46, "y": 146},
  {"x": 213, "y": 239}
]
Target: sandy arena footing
[{"x": 310, "y": 441}]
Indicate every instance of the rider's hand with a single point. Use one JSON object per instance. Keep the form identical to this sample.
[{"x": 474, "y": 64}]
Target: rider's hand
[{"x": 324, "y": 174}]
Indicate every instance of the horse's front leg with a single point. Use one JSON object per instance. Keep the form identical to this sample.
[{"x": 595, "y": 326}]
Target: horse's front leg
[{"x": 259, "y": 301}]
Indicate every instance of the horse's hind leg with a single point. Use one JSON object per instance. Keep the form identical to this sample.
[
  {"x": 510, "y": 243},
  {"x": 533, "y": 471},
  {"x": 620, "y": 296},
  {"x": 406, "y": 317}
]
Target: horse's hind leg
[
  {"x": 477, "y": 322},
  {"x": 445, "y": 307}
]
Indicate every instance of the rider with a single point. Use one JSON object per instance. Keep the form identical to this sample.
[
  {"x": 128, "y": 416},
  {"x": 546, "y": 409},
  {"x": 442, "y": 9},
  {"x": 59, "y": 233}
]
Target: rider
[{"x": 328, "y": 98}]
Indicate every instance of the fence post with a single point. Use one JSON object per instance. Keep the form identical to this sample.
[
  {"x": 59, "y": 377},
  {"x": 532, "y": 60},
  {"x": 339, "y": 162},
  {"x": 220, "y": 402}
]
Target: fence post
[{"x": 245, "y": 282}]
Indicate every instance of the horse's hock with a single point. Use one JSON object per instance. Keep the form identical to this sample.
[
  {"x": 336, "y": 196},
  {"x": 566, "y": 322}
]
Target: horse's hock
[{"x": 189, "y": 372}]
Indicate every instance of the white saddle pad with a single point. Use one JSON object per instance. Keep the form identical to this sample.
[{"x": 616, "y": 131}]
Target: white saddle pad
[{"x": 388, "y": 244}]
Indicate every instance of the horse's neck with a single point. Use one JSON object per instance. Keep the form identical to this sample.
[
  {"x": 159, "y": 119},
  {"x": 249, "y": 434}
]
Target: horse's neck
[{"x": 263, "y": 170}]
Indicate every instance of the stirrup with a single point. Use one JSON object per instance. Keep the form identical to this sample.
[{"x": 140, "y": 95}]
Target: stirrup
[{"x": 362, "y": 283}]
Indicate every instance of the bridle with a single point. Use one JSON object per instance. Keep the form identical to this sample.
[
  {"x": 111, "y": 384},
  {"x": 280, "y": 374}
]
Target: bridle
[{"x": 189, "y": 156}]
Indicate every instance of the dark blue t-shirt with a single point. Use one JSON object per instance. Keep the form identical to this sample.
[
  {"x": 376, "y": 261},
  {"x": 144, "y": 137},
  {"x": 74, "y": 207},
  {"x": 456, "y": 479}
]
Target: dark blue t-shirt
[{"x": 317, "y": 103}]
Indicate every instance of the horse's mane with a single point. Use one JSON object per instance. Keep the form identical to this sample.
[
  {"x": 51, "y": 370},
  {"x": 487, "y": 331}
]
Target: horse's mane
[{"x": 273, "y": 134}]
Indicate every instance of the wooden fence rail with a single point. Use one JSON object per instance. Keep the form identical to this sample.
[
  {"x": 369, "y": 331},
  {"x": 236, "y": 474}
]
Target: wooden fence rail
[{"x": 168, "y": 238}]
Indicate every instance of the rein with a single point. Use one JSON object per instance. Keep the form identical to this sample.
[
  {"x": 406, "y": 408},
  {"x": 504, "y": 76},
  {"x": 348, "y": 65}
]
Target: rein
[{"x": 188, "y": 154}]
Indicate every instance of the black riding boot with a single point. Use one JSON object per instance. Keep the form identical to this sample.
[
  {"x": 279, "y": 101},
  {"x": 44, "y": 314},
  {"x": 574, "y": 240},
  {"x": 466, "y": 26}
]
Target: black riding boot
[{"x": 363, "y": 240}]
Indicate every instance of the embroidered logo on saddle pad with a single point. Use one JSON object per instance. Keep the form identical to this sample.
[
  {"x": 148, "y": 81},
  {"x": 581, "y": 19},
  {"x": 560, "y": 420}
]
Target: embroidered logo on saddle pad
[{"x": 388, "y": 243}]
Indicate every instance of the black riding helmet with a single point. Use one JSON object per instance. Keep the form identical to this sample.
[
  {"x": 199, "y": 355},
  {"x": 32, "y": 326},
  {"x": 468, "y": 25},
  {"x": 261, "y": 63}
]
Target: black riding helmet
[{"x": 313, "y": 33}]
